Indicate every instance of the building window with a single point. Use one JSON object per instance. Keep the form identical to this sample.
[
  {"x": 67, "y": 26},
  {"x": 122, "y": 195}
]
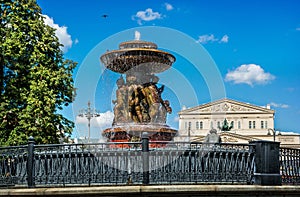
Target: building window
[
  {"x": 250, "y": 124},
  {"x": 239, "y": 124},
  {"x": 253, "y": 124},
  {"x": 197, "y": 125},
  {"x": 262, "y": 124},
  {"x": 266, "y": 124},
  {"x": 232, "y": 123},
  {"x": 190, "y": 126},
  {"x": 201, "y": 125},
  {"x": 185, "y": 125},
  {"x": 211, "y": 124},
  {"x": 218, "y": 123}
]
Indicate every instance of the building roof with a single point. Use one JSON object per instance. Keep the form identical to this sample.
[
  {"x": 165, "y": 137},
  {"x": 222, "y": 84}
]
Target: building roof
[{"x": 227, "y": 106}]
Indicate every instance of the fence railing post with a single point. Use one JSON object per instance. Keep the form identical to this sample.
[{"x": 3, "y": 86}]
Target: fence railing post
[
  {"x": 145, "y": 157},
  {"x": 267, "y": 164},
  {"x": 30, "y": 163}
]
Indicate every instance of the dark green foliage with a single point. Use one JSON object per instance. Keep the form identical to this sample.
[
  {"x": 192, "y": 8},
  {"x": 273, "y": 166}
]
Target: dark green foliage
[{"x": 35, "y": 79}]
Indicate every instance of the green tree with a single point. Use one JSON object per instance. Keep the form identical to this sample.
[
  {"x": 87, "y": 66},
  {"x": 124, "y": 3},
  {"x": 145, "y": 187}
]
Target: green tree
[{"x": 35, "y": 79}]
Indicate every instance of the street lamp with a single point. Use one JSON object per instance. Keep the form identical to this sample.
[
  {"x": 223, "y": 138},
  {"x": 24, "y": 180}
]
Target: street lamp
[
  {"x": 189, "y": 133},
  {"x": 273, "y": 132},
  {"x": 89, "y": 114}
]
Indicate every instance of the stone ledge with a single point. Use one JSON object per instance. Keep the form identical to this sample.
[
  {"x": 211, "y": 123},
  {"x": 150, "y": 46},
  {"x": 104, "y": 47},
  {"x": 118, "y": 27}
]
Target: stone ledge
[{"x": 217, "y": 190}]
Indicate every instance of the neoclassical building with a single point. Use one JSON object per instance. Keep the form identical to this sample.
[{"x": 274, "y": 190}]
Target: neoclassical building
[{"x": 245, "y": 122}]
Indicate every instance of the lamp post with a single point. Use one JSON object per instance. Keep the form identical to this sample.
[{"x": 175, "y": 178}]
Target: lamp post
[
  {"x": 89, "y": 114},
  {"x": 189, "y": 133},
  {"x": 273, "y": 133}
]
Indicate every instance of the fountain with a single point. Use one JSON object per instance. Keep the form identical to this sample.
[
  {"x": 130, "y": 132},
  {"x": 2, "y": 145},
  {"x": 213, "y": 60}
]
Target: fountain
[{"x": 139, "y": 106}]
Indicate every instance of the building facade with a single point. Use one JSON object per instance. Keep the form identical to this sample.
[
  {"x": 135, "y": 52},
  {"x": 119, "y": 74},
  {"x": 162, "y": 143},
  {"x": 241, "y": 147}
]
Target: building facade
[{"x": 235, "y": 121}]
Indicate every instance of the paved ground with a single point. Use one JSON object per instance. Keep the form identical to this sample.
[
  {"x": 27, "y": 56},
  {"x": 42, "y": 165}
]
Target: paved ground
[{"x": 159, "y": 190}]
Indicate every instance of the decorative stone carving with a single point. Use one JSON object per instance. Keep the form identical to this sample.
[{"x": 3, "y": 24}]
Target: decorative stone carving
[
  {"x": 226, "y": 107},
  {"x": 228, "y": 139}
]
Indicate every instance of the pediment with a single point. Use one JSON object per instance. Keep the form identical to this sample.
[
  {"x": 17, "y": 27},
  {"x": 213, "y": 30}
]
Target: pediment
[{"x": 227, "y": 106}]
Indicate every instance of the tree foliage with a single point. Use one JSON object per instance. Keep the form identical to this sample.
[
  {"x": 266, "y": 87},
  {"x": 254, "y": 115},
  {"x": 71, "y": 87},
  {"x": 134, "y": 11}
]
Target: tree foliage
[{"x": 35, "y": 79}]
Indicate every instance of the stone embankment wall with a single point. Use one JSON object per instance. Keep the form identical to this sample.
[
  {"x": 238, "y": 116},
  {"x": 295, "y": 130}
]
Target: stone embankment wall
[{"x": 160, "y": 191}]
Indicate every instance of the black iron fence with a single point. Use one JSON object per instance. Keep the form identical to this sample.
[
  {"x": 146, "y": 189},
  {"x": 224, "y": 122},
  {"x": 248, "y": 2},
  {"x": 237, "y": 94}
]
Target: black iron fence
[
  {"x": 290, "y": 165},
  {"x": 13, "y": 165},
  {"x": 146, "y": 163}
]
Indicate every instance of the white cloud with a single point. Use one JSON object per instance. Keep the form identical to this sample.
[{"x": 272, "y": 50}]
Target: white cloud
[
  {"x": 298, "y": 28},
  {"x": 176, "y": 119},
  {"x": 147, "y": 15},
  {"x": 249, "y": 74},
  {"x": 279, "y": 105},
  {"x": 61, "y": 32},
  {"x": 169, "y": 7},
  {"x": 103, "y": 121},
  {"x": 224, "y": 39},
  {"x": 204, "y": 39}
]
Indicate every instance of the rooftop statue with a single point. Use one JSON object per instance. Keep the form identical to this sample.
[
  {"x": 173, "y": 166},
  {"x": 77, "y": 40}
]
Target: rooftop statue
[{"x": 226, "y": 126}]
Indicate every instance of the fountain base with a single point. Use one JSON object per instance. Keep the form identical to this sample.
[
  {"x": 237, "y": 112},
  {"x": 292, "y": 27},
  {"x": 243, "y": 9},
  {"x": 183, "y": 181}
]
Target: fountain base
[{"x": 158, "y": 134}]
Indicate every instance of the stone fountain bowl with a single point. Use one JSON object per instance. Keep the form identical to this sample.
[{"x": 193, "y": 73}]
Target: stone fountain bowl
[{"x": 138, "y": 60}]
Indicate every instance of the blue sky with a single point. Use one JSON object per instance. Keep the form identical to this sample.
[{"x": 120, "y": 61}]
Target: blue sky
[{"x": 250, "y": 52}]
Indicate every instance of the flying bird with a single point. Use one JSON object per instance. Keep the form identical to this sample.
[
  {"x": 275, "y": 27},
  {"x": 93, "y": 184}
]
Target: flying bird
[{"x": 104, "y": 16}]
